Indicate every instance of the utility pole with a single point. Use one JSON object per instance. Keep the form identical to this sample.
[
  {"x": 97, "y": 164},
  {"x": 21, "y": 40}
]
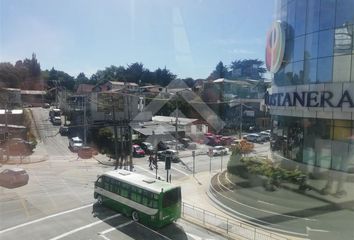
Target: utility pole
[
  {"x": 7, "y": 134},
  {"x": 241, "y": 119},
  {"x": 85, "y": 122},
  {"x": 115, "y": 134},
  {"x": 176, "y": 134}
]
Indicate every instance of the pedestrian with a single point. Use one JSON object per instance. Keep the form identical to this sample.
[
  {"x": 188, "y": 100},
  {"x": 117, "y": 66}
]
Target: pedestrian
[{"x": 151, "y": 159}]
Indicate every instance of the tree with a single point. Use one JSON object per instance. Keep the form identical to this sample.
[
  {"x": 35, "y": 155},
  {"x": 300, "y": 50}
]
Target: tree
[
  {"x": 163, "y": 76},
  {"x": 10, "y": 76},
  {"x": 134, "y": 72},
  {"x": 248, "y": 68},
  {"x": 221, "y": 71}
]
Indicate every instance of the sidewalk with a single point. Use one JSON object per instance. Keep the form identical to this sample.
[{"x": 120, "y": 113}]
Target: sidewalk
[{"x": 196, "y": 192}]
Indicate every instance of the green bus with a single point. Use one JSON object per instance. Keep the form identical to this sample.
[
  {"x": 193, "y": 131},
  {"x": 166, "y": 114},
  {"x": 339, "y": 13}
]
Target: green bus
[{"x": 152, "y": 202}]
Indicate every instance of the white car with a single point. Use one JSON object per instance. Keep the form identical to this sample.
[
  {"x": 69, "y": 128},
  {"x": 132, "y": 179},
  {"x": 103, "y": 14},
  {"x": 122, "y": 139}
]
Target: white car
[
  {"x": 220, "y": 150},
  {"x": 265, "y": 136},
  {"x": 253, "y": 137},
  {"x": 75, "y": 143}
]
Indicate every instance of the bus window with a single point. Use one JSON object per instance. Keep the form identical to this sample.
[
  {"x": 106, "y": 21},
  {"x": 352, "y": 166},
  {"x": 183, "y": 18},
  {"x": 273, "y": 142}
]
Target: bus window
[
  {"x": 171, "y": 197},
  {"x": 99, "y": 182}
]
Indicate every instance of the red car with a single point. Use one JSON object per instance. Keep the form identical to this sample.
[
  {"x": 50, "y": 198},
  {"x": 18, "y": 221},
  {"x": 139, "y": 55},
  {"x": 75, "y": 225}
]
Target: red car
[{"x": 138, "y": 151}]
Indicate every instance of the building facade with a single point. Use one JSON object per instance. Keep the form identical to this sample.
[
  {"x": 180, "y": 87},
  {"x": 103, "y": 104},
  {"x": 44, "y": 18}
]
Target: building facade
[{"x": 310, "y": 50}]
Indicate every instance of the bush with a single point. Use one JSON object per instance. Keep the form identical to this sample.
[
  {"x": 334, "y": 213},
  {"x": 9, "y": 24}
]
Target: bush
[{"x": 264, "y": 167}]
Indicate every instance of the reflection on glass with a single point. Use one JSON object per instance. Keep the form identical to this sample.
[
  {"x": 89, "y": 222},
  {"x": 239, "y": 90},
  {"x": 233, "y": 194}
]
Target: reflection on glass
[
  {"x": 324, "y": 69},
  {"x": 344, "y": 12},
  {"x": 300, "y": 18},
  {"x": 291, "y": 20},
  {"x": 298, "y": 73},
  {"x": 341, "y": 68},
  {"x": 311, "y": 46},
  {"x": 313, "y": 16},
  {"x": 299, "y": 48},
  {"x": 343, "y": 39},
  {"x": 289, "y": 51},
  {"x": 325, "y": 43},
  {"x": 327, "y": 13},
  {"x": 310, "y": 68}
]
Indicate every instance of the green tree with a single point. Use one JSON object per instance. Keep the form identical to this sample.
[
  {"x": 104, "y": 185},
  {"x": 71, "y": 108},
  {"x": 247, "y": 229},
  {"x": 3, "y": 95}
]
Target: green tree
[
  {"x": 10, "y": 76},
  {"x": 248, "y": 68},
  {"x": 221, "y": 71}
]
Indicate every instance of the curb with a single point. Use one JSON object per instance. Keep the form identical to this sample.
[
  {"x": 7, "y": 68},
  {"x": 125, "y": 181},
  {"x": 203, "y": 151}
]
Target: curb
[{"x": 225, "y": 209}]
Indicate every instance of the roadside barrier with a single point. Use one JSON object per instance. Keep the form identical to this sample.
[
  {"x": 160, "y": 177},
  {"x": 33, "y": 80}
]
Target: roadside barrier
[{"x": 226, "y": 226}]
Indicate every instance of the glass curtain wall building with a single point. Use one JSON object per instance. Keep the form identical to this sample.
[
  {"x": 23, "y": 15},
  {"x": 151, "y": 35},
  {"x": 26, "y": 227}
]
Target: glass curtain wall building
[{"x": 312, "y": 95}]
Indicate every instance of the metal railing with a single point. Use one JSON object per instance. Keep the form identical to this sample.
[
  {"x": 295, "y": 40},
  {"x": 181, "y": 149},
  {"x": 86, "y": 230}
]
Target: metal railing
[{"x": 229, "y": 227}]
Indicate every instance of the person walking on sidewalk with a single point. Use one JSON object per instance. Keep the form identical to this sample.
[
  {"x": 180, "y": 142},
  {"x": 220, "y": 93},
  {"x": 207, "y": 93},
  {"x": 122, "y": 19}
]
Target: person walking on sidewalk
[{"x": 151, "y": 159}]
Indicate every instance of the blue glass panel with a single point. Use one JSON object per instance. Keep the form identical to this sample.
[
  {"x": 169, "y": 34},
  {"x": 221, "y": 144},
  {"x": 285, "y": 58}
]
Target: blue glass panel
[
  {"x": 300, "y": 18},
  {"x": 324, "y": 69},
  {"x": 299, "y": 48},
  {"x": 327, "y": 14},
  {"x": 313, "y": 16},
  {"x": 344, "y": 13},
  {"x": 311, "y": 45},
  {"x": 325, "y": 43}
]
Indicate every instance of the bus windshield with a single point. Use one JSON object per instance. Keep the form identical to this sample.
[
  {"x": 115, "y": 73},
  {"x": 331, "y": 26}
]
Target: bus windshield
[{"x": 171, "y": 197}]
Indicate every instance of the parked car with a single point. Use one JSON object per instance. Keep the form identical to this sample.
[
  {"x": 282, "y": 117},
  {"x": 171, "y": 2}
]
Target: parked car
[
  {"x": 226, "y": 141},
  {"x": 147, "y": 147},
  {"x": 187, "y": 143},
  {"x": 56, "y": 120},
  {"x": 219, "y": 151},
  {"x": 46, "y": 105},
  {"x": 15, "y": 177},
  {"x": 75, "y": 143},
  {"x": 265, "y": 136},
  {"x": 64, "y": 130},
  {"x": 161, "y": 146},
  {"x": 253, "y": 137},
  {"x": 169, "y": 153},
  {"x": 19, "y": 146},
  {"x": 138, "y": 151},
  {"x": 173, "y": 143}
]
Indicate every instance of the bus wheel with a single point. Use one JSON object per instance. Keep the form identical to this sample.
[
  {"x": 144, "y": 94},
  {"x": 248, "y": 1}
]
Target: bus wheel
[
  {"x": 135, "y": 216},
  {"x": 99, "y": 200}
]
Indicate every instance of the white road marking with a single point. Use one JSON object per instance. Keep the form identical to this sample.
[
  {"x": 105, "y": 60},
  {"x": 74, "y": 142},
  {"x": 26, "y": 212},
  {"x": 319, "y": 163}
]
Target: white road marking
[
  {"x": 114, "y": 228},
  {"x": 308, "y": 229},
  {"x": 85, "y": 226},
  {"x": 44, "y": 218},
  {"x": 104, "y": 237},
  {"x": 265, "y": 202},
  {"x": 153, "y": 231},
  {"x": 179, "y": 171}
]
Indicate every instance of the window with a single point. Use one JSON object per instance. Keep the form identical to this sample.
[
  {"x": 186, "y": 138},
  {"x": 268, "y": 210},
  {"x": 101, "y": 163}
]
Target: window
[
  {"x": 327, "y": 13},
  {"x": 324, "y": 69},
  {"x": 344, "y": 12},
  {"x": 310, "y": 69},
  {"x": 171, "y": 197},
  {"x": 299, "y": 48},
  {"x": 300, "y": 17},
  {"x": 291, "y": 20},
  {"x": 341, "y": 68},
  {"x": 298, "y": 71},
  {"x": 311, "y": 46},
  {"x": 313, "y": 16},
  {"x": 325, "y": 43},
  {"x": 343, "y": 38}
]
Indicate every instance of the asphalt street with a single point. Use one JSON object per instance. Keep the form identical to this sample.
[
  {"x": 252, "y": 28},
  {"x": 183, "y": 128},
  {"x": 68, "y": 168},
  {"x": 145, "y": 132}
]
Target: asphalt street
[{"x": 57, "y": 203}]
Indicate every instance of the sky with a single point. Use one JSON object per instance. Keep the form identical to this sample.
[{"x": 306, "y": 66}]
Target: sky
[{"x": 188, "y": 37}]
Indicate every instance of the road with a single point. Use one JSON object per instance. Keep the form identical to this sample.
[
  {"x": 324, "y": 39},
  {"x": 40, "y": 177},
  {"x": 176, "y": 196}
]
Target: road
[{"x": 57, "y": 203}]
